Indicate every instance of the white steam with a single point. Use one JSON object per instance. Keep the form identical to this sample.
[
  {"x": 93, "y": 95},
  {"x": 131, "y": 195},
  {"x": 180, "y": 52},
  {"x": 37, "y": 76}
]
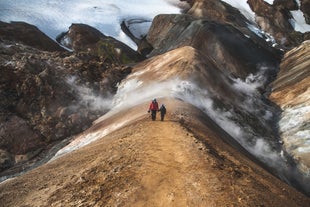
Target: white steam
[
  {"x": 87, "y": 97},
  {"x": 133, "y": 91},
  {"x": 225, "y": 118}
]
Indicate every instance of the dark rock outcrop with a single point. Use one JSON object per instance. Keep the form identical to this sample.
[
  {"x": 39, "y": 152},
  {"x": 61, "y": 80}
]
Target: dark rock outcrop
[
  {"x": 84, "y": 38},
  {"x": 144, "y": 48},
  {"x": 6, "y": 160},
  {"x": 80, "y": 37},
  {"x": 22, "y": 138},
  {"x": 305, "y": 7},
  {"x": 288, "y": 4},
  {"x": 46, "y": 96},
  {"x": 218, "y": 11},
  {"x": 29, "y": 35},
  {"x": 274, "y": 19}
]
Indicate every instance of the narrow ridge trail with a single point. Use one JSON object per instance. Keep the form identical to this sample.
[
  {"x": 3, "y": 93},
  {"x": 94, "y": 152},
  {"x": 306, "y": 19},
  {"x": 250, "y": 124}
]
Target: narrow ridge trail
[
  {"x": 151, "y": 163},
  {"x": 172, "y": 174}
]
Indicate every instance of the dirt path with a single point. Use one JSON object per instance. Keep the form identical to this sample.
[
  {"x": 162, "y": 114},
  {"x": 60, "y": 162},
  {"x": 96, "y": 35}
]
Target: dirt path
[
  {"x": 150, "y": 164},
  {"x": 171, "y": 168}
]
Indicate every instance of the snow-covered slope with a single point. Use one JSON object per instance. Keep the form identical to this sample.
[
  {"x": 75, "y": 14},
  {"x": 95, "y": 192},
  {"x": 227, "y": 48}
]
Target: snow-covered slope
[{"x": 54, "y": 17}]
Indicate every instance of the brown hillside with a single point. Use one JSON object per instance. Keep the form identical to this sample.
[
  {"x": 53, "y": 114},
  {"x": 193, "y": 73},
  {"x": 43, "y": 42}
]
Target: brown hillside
[{"x": 149, "y": 163}]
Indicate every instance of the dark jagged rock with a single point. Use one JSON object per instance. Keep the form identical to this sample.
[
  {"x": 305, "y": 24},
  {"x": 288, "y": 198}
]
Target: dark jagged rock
[
  {"x": 27, "y": 34},
  {"x": 21, "y": 138},
  {"x": 127, "y": 31},
  {"x": 286, "y": 4},
  {"x": 80, "y": 37},
  {"x": 305, "y": 7},
  {"x": 222, "y": 12},
  {"x": 274, "y": 19},
  {"x": 84, "y": 38},
  {"x": 217, "y": 11},
  {"x": 144, "y": 48},
  {"x": 6, "y": 160},
  {"x": 231, "y": 50},
  {"x": 190, "y": 2}
]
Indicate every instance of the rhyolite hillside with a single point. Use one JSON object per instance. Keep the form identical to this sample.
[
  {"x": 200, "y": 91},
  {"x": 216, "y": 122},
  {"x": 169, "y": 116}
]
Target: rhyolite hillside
[{"x": 237, "y": 95}]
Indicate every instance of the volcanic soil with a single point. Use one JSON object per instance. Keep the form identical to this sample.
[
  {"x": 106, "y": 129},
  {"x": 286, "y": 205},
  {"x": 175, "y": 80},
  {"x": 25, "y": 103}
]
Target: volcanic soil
[{"x": 181, "y": 161}]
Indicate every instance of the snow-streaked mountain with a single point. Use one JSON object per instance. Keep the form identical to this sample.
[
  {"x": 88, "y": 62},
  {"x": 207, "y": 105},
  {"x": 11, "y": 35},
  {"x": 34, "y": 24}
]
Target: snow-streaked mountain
[
  {"x": 55, "y": 16},
  {"x": 298, "y": 20}
]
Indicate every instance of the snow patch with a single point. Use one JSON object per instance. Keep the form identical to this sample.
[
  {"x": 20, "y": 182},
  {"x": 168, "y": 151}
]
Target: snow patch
[
  {"x": 138, "y": 27},
  {"x": 243, "y": 7},
  {"x": 269, "y": 1},
  {"x": 298, "y": 22},
  {"x": 293, "y": 127},
  {"x": 262, "y": 34},
  {"x": 305, "y": 149}
]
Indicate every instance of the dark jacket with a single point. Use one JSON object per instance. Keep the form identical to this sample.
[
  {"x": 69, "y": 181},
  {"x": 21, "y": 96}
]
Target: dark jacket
[{"x": 163, "y": 109}]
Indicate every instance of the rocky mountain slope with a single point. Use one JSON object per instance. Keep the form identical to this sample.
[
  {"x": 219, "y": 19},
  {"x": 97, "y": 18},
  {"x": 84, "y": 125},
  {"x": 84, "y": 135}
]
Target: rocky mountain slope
[
  {"x": 179, "y": 162},
  {"x": 236, "y": 133},
  {"x": 291, "y": 92},
  {"x": 48, "y": 96}
]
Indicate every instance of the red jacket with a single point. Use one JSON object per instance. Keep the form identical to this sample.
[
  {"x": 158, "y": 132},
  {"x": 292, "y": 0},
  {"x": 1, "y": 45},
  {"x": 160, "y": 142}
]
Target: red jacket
[{"x": 154, "y": 106}]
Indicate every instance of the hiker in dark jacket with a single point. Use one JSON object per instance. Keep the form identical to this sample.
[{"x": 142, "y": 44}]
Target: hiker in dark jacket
[
  {"x": 163, "y": 111},
  {"x": 153, "y": 109}
]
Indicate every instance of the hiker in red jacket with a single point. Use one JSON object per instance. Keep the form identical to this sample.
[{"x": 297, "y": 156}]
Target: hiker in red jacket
[{"x": 153, "y": 109}]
